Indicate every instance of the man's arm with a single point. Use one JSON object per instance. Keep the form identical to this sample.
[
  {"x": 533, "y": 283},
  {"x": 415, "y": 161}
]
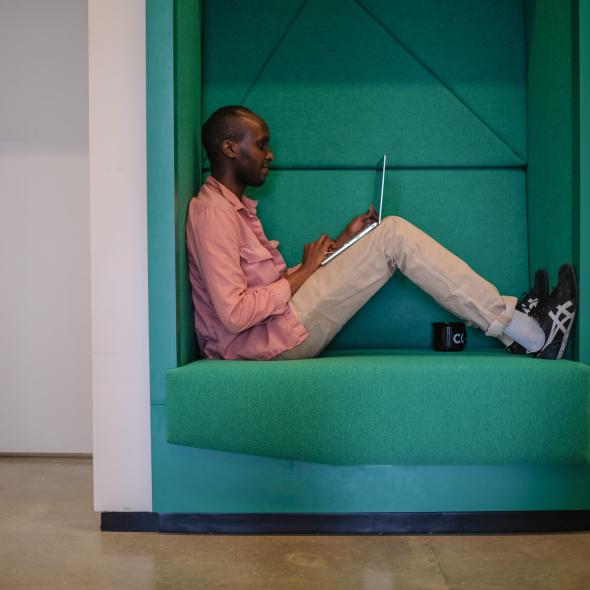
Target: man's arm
[{"x": 313, "y": 254}]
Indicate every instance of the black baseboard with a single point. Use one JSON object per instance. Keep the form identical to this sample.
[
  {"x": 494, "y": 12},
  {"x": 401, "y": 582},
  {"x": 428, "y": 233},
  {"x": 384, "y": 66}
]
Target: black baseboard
[
  {"x": 131, "y": 522},
  {"x": 362, "y": 523}
]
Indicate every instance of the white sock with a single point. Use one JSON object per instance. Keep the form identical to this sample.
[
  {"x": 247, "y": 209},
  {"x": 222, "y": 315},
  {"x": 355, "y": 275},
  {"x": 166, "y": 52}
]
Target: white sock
[{"x": 526, "y": 331}]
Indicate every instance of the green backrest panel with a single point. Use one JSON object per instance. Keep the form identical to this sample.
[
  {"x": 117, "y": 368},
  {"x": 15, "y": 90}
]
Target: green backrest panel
[
  {"x": 550, "y": 181},
  {"x": 478, "y": 214},
  {"x": 476, "y": 48},
  {"x": 228, "y": 69},
  {"x": 341, "y": 81}
]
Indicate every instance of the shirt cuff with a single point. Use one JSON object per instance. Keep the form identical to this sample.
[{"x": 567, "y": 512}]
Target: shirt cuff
[{"x": 281, "y": 294}]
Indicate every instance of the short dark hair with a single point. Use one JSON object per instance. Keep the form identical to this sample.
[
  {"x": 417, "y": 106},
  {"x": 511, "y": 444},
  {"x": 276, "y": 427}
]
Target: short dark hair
[{"x": 223, "y": 124}]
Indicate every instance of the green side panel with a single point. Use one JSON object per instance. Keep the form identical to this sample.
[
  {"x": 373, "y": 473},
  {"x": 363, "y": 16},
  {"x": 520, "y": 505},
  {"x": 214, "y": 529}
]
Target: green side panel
[
  {"x": 550, "y": 181},
  {"x": 197, "y": 480},
  {"x": 583, "y": 221},
  {"x": 160, "y": 188},
  {"x": 386, "y": 407},
  {"x": 346, "y": 81},
  {"x": 187, "y": 109},
  {"x": 456, "y": 207}
]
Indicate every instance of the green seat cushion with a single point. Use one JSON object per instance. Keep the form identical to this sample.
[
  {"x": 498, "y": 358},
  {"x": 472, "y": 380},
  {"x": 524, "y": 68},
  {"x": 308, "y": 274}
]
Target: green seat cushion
[{"x": 386, "y": 407}]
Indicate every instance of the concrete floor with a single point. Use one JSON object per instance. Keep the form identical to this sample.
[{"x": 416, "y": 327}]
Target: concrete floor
[{"x": 49, "y": 538}]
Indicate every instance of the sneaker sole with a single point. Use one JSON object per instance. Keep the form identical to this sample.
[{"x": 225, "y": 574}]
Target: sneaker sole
[
  {"x": 565, "y": 339},
  {"x": 567, "y": 334}
]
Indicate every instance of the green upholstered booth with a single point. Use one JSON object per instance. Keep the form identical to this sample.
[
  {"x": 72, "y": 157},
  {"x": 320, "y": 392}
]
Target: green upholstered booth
[{"x": 475, "y": 104}]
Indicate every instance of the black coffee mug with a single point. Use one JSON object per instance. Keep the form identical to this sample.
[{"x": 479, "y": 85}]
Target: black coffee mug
[{"x": 449, "y": 336}]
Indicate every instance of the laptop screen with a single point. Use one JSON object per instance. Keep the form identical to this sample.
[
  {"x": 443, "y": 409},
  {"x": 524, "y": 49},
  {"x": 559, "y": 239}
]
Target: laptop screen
[{"x": 379, "y": 185}]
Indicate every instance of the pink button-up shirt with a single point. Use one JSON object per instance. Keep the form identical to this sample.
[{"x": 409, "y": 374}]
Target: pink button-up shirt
[{"x": 240, "y": 295}]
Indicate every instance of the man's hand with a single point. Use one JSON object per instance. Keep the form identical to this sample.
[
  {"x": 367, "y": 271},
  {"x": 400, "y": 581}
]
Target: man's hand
[
  {"x": 313, "y": 254},
  {"x": 355, "y": 226}
]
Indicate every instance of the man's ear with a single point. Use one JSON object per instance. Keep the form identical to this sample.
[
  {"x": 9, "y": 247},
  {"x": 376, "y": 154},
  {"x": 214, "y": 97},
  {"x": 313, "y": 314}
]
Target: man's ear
[{"x": 228, "y": 148}]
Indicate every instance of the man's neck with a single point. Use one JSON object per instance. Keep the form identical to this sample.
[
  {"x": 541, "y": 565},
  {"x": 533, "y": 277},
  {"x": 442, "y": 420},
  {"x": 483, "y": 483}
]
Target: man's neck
[{"x": 228, "y": 180}]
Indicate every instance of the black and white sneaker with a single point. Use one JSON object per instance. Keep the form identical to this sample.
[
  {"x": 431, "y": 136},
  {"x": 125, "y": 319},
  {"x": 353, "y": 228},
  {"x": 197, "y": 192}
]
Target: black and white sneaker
[
  {"x": 556, "y": 315},
  {"x": 531, "y": 301}
]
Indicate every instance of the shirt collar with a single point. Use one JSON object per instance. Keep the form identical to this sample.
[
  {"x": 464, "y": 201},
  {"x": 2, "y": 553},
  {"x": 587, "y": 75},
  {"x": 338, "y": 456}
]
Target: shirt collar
[{"x": 243, "y": 203}]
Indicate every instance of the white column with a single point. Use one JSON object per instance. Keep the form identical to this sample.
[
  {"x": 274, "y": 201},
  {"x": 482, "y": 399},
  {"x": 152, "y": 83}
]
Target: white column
[{"x": 119, "y": 288}]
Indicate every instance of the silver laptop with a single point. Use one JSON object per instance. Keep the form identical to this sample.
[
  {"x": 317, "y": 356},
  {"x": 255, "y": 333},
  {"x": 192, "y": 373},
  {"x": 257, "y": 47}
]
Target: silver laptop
[{"x": 377, "y": 204}]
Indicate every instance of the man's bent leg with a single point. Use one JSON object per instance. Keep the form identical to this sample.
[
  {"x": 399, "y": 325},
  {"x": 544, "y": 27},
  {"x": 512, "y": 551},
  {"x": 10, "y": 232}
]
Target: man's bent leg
[{"x": 334, "y": 293}]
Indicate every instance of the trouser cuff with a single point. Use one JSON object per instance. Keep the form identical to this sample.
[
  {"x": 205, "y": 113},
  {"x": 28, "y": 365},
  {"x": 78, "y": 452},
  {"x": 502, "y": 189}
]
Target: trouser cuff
[{"x": 496, "y": 328}]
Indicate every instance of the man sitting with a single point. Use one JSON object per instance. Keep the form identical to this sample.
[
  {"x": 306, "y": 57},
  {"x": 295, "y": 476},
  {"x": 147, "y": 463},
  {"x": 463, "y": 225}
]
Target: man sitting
[{"x": 249, "y": 305}]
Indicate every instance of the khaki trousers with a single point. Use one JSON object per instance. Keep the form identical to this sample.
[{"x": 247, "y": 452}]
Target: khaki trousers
[{"x": 334, "y": 293}]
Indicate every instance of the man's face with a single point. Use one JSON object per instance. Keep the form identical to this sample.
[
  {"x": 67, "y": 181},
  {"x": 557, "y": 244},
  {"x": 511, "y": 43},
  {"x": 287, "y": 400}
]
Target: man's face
[{"x": 252, "y": 152}]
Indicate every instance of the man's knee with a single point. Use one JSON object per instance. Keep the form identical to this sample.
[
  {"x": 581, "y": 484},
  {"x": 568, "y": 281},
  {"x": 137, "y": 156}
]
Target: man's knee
[
  {"x": 395, "y": 228},
  {"x": 393, "y": 222}
]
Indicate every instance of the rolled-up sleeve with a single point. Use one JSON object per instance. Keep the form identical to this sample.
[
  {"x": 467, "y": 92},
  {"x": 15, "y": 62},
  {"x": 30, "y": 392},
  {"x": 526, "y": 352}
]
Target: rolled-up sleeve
[{"x": 216, "y": 246}]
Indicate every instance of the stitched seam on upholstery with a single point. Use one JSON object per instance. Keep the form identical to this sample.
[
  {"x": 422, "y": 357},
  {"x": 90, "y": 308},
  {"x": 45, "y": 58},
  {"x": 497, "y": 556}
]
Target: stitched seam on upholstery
[{"x": 272, "y": 53}]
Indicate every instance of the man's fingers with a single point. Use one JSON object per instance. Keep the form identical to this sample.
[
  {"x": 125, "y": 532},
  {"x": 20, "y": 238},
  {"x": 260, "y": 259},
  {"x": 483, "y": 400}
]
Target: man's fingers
[{"x": 326, "y": 243}]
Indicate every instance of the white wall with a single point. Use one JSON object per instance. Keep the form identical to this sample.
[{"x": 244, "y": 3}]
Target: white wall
[
  {"x": 118, "y": 197},
  {"x": 45, "y": 391}
]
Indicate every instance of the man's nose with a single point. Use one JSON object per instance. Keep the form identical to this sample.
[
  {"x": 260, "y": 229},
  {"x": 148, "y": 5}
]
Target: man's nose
[{"x": 270, "y": 156}]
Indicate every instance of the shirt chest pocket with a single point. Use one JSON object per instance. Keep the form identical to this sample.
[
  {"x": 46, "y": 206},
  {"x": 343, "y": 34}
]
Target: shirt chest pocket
[{"x": 257, "y": 265}]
